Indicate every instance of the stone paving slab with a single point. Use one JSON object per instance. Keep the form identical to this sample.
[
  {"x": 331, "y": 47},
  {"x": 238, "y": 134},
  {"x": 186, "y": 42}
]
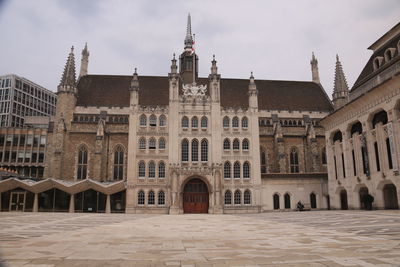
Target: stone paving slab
[{"x": 317, "y": 238}]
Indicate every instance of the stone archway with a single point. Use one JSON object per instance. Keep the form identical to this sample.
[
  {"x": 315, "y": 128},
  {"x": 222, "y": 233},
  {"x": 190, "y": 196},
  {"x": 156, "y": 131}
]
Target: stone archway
[
  {"x": 390, "y": 196},
  {"x": 195, "y": 196},
  {"x": 343, "y": 200}
]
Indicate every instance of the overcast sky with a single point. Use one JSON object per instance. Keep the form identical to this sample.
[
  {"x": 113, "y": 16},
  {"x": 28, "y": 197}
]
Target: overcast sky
[{"x": 274, "y": 39}]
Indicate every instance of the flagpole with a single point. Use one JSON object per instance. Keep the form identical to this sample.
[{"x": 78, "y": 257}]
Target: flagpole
[{"x": 194, "y": 60}]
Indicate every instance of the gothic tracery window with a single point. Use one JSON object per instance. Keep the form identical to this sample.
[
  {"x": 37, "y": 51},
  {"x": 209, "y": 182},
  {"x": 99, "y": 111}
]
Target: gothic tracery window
[
  {"x": 142, "y": 143},
  {"x": 228, "y": 197},
  {"x": 185, "y": 122},
  {"x": 235, "y": 122},
  {"x": 118, "y": 163},
  {"x": 151, "y": 198},
  {"x": 162, "y": 120},
  {"x": 245, "y": 144},
  {"x": 204, "y": 122},
  {"x": 142, "y": 169},
  {"x": 185, "y": 150},
  {"x": 247, "y": 197},
  {"x": 225, "y": 122},
  {"x": 143, "y": 120},
  {"x": 236, "y": 144},
  {"x": 161, "y": 198},
  {"x": 161, "y": 170},
  {"x": 82, "y": 163},
  {"x": 227, "y": 170},
  {"x": 161, "y": 143},
  {"x": 152, "y": 143},
  {"x": 141, "y": 197},
  {"x": 152, "y": 169},
  {"x": 153, "y": 120},
  {"x": 195, "y": 150},
  {"x": 246, "y": 170},
  {"x": 227, "y": 144},
  {"x": 245, "y": 122},
  {"x": 204, "y": 150},
  {"x": 236, "y": 170},
  {"x": 294, "y": 161},
  {"x": 237, "y": 197},
  {"x": 195, "y": 122}
]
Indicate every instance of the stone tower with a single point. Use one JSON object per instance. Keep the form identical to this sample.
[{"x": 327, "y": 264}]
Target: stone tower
[
  {"x": 314, "y": 69},
  {"x": 340, "y": 89},
  {"x": 186, "y": 58},
  {"x": 84, "y": 61},
  {"x": 66, "y": 101}
]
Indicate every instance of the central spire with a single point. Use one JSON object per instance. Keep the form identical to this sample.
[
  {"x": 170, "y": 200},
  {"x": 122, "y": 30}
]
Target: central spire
[{"x": 188, "y": 38}]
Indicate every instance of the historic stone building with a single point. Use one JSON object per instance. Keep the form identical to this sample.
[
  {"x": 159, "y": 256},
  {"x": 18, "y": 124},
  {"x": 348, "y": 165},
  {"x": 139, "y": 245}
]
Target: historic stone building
[
  {"x": 363, "y": 133},
  {"x": 182, "y": 143}
]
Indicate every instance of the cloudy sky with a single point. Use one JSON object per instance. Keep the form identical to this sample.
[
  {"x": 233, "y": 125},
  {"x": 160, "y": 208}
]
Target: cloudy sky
[{"x": 272, "y": 38}]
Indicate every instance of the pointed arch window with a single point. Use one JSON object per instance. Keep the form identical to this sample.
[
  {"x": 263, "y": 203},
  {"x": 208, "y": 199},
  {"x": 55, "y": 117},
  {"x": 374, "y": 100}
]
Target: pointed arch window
[
  {"x": 143, "y": 120},
  {"x": 141, "y": 197},
  {"x": 323, "y": 155},
  {"x": 185, "y": 150},
  {"x": 236, "y": 170},
  {"x": 161, "y": 170},
  {"x": 152, "y": 169},
  {"x": 227, "y": 170},
  {"x": 235, "y": 122},
  {"x": 389, "y": 153},
  {"x": 246, "y": 170},
  {"x": 228, "y": 197},
  {"x": 294, "y": 161},
  {"x": 245, "y": 123},
  {"x": 247, "y": 197},
  {"x": 161, "y": 198},
  {"x": 287, "y": 201},
  {"x": 153, "y": 120},
  {"x": 195, "y": 150},
  {"x": 245, "y": 144},
  {"x": 195, "y": 122},
  {"x": 142, "y": 143},
  {"x": 204, "y": 122},
  {"x": 152, "y": 143},
  {"x": 151, "y": 198},
  {"x": 237, "y": 198},
  {"x": 118, "y": 163},
  {"x": 263, "y": 160},
  {"x": 225, "y": 122},
  {"x": 204, "y": 150},
  {"x": 185, "y": 122},
  {"x": 162, "y": 121},
  {"x": 236, "y": 144},
  {"x": 161, "y": 143},
  {"x": 82, "y": 163},
  {"x": 142, "y": 169},
  {"x": 227, "y": 144}
]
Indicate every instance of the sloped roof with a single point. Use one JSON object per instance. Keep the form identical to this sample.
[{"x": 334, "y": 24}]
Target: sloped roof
[
  {"x": 112, "y": 91},
  {"x": 368, "y": 70}
]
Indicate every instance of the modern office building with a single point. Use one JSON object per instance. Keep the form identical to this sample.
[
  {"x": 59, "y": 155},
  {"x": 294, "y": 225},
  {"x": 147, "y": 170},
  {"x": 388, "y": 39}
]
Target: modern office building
[{"x": 20, "y": 97}]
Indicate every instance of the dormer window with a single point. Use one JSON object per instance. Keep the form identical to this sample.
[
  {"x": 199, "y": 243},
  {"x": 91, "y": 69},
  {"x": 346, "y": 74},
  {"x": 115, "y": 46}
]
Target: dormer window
[
  {"x": 389, "y": 54},
  {"x": 377, "y": 62}
]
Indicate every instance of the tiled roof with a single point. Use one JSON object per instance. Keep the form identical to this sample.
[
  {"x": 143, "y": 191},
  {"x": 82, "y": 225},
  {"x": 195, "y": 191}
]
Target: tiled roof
[
  {"x": 368, "y": 71},
  {"x": 112, "y": 91}
]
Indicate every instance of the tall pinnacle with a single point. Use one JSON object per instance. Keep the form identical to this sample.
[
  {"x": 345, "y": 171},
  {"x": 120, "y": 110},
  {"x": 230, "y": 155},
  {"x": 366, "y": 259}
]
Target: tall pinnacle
[
  {"x": 340, "y": 84},
  {"x": 314, "y": 69},
  {"x": 340, "y": 88},
  {"x": 188, "y": 38},
  {"x": 84, "y": 61},
  {"x": 69, "y": 76}
]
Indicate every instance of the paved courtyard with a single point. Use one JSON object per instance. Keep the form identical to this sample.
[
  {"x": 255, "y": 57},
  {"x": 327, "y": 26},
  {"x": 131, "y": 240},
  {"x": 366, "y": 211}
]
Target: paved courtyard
[{"x": 315, "y": 238}]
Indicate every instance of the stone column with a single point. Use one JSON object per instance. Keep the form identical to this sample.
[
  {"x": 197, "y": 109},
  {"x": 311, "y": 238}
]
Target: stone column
[
  {"x": 108, "y": 204},
  {"x": 36, "y": 203},
  {"x": 72, "y": 203}
]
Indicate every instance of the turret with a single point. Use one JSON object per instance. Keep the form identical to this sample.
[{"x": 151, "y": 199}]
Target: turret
[
  {"x": 214, "y": 78},
  {"x": 186, "y": 59},
  {"x": 134, "y": 90},
  {"x": 340, "y": 89},
  {"x": 173, "y": 81},
  {"x": 253, "y": 94},
  {"x": 314, "y": 69},
  {"x": 84, "y": 61},
  {"x": 66, "y": 94}
]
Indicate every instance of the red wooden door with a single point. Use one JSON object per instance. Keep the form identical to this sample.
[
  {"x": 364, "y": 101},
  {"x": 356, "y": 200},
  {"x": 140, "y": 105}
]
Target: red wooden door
[{"x": 195, "y": 197}]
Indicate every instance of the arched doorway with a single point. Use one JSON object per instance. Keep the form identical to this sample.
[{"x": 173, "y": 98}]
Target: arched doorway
[
  {"x": 313, "y": 200},
  {"x": 276, "y": 201},
  {"x": 195, "y": 197},
  {"x": 343, "y": 200},
  {"x": 363, "y": 193},
  {"x": 390, "y": 196}
]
